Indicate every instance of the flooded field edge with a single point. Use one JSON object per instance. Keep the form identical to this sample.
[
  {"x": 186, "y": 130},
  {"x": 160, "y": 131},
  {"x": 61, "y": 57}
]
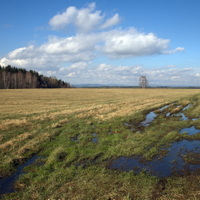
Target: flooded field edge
[
  {"x": 173, "y": 163},
  {"x": 7, "y": 183}
]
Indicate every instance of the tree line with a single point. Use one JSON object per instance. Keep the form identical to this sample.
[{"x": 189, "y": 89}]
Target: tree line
[{"x": 14, "y": 78}]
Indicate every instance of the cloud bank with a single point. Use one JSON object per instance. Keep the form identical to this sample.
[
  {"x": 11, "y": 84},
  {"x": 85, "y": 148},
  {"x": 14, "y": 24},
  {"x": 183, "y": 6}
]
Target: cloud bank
[{"x": 129, "y": 75}]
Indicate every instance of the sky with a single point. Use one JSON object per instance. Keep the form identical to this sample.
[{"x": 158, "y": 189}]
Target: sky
[{"x": 109, "y": 42}]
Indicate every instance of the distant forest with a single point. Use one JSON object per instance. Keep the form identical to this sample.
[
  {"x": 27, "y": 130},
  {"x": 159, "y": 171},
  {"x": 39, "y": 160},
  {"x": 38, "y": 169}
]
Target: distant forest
[{"x": 14, "y": 78}]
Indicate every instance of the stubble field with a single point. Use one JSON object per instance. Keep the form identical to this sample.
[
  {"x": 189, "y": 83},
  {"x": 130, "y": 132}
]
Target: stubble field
[{"x": 75, "y": 136}]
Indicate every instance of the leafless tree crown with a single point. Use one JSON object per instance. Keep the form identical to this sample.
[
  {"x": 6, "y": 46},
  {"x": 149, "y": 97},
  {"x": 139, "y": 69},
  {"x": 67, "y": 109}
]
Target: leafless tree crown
[{"x": 143, "y": 82}]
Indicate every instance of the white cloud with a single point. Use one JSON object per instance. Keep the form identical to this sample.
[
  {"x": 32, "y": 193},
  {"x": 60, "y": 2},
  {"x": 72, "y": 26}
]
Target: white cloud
[
  {"x": 178, "y": 49},
  {"x": 84, "y": 19},
  {"x": 122, "y": 68},
  {"x": 131, "y": 43},
  {"x": 84, "y": 47},
  {"x": 72, "y": 74},
  {"x": 21, "y": 52},
  {"x": 112, "y": 21},
  {"x": 51, "y": 73},
  {"x": 60, "y": 20},
  {"x": 198, "y": 74},
  {"x": 78, "y": 48},
  {"x": 106, "y": 73},
  {"x": 69, "y": 45},
  {"x": 79, "y": 65},
  {"x": 137, "y": 70},
  {"x": 104, "y": 67}
]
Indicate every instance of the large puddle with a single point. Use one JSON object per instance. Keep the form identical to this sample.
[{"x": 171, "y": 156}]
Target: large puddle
[
  {"x": 149, "y": 119},
  {"x": 171, "y": 164},
  {"x": 151, "y": 116},
  {"x": 7, "y": 184},
  {"x": 164, "y": 107},
  {"x": 190, "y": 131}
]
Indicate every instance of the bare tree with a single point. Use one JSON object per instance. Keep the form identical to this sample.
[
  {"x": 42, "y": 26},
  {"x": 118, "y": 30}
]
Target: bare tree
[{"x": 143, "y": 82}]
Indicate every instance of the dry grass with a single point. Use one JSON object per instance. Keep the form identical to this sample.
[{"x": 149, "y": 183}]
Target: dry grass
[
  {"x": 15, "y": 141},
  {"x": 100, "y": 103},
  {"x": 9, "y": 123}
]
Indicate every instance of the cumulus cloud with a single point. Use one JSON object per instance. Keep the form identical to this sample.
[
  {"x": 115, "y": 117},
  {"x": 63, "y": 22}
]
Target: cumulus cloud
[
  {"x": 52, "y": 53},
  {"x": 131, "y": 43},
  {"x": 84, "y": 19},
  {"x": 69, "y": 45},
  {"x": 84, "y": 47}
]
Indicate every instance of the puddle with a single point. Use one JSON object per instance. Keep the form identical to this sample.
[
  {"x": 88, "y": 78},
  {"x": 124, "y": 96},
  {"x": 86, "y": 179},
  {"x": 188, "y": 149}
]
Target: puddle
[
  {"x": 194, "y": 119},
  {"x": 172, "y": 163},
  {"x": 94, "y": 139},
  {"x": 164, "y": 107},
  {"x": 149, "y": 118},
  {"x": 182, "y": 115},
  {"x": 186, "y": 107},
  {"x": 7, "y": 184},
  {"x": 190, "y": 131}
]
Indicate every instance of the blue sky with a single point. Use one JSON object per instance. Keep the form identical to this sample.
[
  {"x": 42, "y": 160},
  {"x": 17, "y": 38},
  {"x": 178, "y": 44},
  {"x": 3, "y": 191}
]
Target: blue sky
[{"x": 104, "y": 41}]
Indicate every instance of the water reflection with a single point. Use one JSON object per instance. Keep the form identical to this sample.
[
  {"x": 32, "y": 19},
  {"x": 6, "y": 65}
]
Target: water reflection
[
  {"x": 182, "y": 115},
  {"x": 164, "y": 107},
  {"x": 186, "y": 107},
  {"x": 7, "y": 184},
  {"x": 190, "y": 131},
  {"x": 149, "y": 119},
  {"x": 172, "y": 163}
]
